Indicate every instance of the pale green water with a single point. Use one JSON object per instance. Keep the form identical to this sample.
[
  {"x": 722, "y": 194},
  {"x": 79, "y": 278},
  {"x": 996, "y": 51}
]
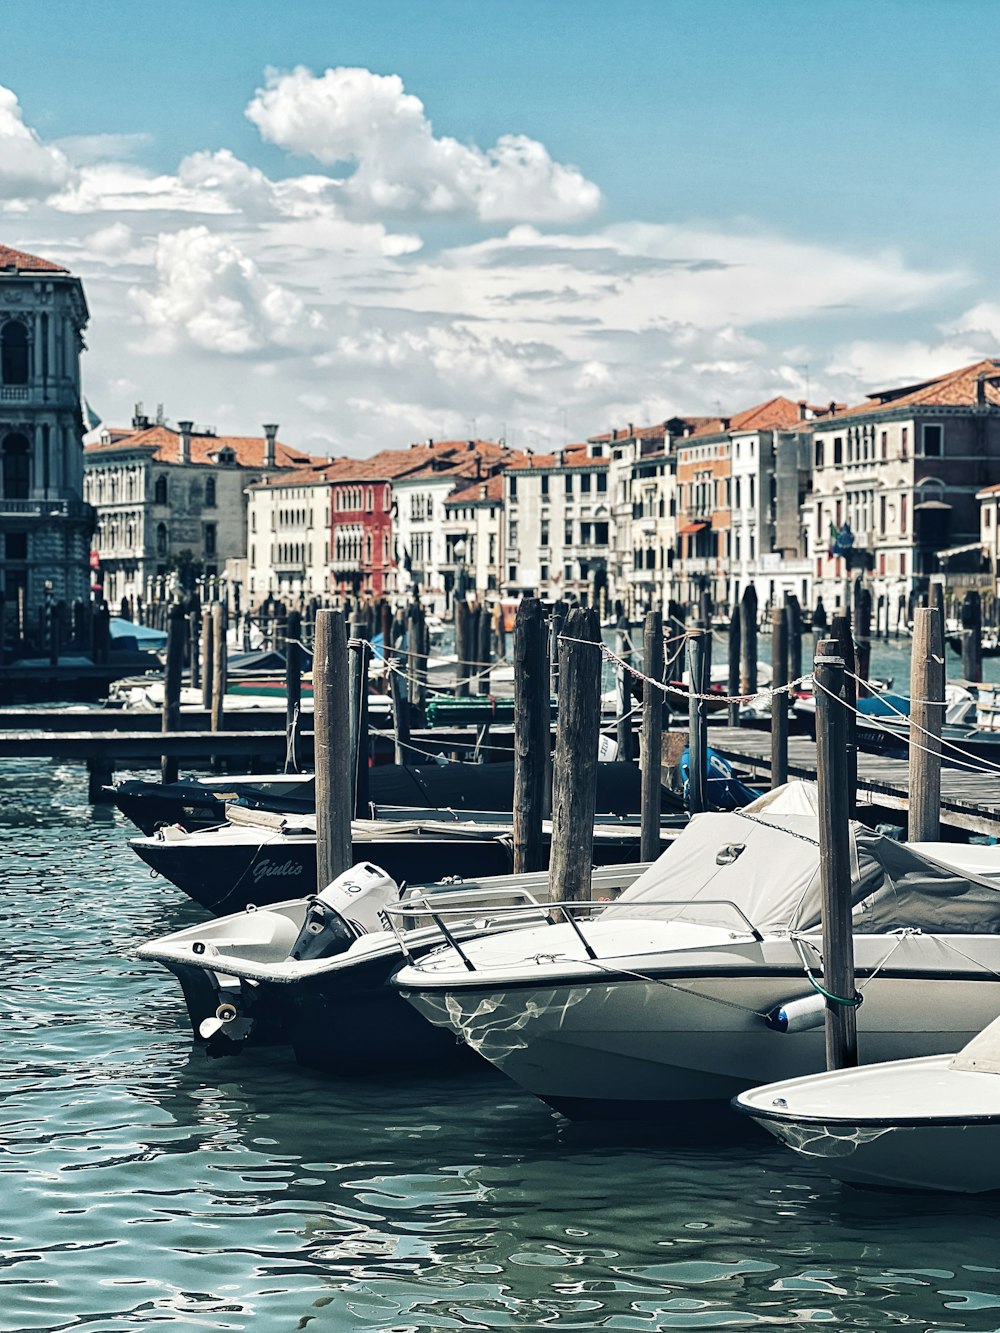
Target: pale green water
[{"x": 143, "y": 1186}]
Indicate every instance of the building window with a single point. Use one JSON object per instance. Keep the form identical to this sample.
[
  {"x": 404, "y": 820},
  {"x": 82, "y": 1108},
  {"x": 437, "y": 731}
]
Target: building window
[
  {"x": 160, "y": 491},
  {"x": 902, "y": 564},
  {"x": 884, "y": 440},
  {"x": 545, "y": 534},
  {"x": 210, "y": 493},
  {"x": 545, "y": 485},
  {"x": 602, "y": 481},
  {"x": 569, "y": 484},
  {"x": 14, "y": 353},
  {"x": 161, "y": 539},
  {"x": 838, "y": 450},
  {"x": 568, "y": 534},
  {"x": 818, "y": 453},
  {"x": 904, "y": 440},
  {"x": 902, "y": 515},
  {"x": 543, "y": 572},
  {"x": 933, "y": 441},
  {"x": 16, "y": 467},
  {"x": 881, "y": 516},
  {"x": 210, "y": 539},
  {"x": 584, "y": 483},
  {"x": 512, "y": 483}
]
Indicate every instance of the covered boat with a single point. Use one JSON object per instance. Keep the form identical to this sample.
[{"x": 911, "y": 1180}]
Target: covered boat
[{"x": 674, "y": 993}]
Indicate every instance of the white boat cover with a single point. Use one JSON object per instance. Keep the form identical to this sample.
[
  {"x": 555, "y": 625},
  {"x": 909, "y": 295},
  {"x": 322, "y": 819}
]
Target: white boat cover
[
  {"x": 767, "y": 866},
  {"x": 791, "y": 798}
]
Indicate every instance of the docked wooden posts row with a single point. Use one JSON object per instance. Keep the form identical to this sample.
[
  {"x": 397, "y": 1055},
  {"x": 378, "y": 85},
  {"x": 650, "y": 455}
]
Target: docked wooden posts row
[
  {"x": 779, "y": 696},
  {"x": 176, "y": 635},
  {"x": 194, "y": 644},
  {"x": 293, "y": 691},
  {"x": 484, "y": 650},
  {"x": 733, "y": 679},
  {"x": 651, "y": 738},
  {"x": 360, "y": 743},
  {"x": 926, "y": 715},
  {"x": 699, "y": 665},
  {"x": 574, "y": 773},
  {"x": 748, "y": 641},
  {"x": 417, "y": 641},
  {"x": 840, "y": 629},
  {"x": 972, "y": 636},
  {"x": 332, "y": 743},
  {"x": 835, "y": 855},
  {"x": 532, "y": 730},
  {"x": 624, "y": 733}
]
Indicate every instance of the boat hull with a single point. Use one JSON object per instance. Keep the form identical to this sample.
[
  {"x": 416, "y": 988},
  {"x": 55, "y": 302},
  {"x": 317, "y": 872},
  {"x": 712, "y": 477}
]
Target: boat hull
[
  {"x": 634, "y": 1047},
  {"x": 902, "y": 1143}
]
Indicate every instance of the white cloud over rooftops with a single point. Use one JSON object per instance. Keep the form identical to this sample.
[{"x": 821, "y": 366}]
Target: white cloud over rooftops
[{"x": 367, "y": 121}]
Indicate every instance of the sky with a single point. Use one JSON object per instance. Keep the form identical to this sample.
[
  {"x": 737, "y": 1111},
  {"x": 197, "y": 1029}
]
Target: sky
[{"x": 523, "y": 219}]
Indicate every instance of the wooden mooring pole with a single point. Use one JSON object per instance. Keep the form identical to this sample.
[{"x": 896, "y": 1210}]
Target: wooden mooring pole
[
  {"x": 624, "y": 732},
  {"x": 332, "y": 743},
  {"x": 574, "y": 773},
  {"x": 207, "y": 657},
  {"x": 835, "y": 857},
  {"x": 293, "y": 691},
  {"x": 779, "y": 696},
  {"x": 972, "y": 636},
  {"x": 532, "y": 732},
  {"x": 176, "y": 634},
  {"x": 748, "y": 641},
  {"x": 733, "y": 679},
  {"x": 863, "y": 639},
  {"x": 840, "y": 629},
  {"x": 651, "y": 737},
  {"x": 360, "y": 742},
  {"x": 699, "y": 673},
  {"x": 926, "y": 716}
]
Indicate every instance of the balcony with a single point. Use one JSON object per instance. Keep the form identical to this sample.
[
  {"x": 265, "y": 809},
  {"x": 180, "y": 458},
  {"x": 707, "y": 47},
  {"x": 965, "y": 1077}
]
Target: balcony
[{"x": 43, "y": 509}]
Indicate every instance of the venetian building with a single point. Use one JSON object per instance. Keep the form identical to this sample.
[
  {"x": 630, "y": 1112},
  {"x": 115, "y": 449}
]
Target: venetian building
[{"x": 44, "y": 525}]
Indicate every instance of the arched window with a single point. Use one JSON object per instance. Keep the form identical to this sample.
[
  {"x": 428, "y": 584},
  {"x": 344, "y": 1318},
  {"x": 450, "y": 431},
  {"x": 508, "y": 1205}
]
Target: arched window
[
  {"x": 14, "y": 353},
  {"x": 160, "y": 493},
  {"x": 210, "y": 493},
  {"x": 161, "y": 538},
  {"x": 16, "y": 468}
]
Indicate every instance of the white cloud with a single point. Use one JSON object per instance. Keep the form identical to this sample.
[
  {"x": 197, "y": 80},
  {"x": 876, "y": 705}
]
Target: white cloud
[
  {"x": 214, "y": 296},
  {"x": 981, "y": 321},
  {"x": 868, "y": 365},
  {"x": 83, "y": 150},
  {"x": 367, "y": 120},
  {"x": 29, "y": 169}
]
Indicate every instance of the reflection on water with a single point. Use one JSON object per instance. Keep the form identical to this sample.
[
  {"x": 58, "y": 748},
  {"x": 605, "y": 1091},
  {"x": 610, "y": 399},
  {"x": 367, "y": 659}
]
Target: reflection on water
[{"x": 145, "y": 1185}]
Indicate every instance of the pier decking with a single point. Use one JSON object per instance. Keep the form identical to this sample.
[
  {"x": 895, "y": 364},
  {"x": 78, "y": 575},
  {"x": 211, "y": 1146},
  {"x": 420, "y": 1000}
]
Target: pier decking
[{"x": 969, "y": 801}]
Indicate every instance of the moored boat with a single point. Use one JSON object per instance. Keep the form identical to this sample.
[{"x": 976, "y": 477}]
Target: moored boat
[{"x": 930, "y": 1124}]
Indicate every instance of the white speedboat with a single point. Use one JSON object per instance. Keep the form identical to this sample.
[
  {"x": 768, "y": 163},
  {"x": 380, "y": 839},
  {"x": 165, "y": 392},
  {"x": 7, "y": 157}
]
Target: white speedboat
[
  {"x": 929, "y": 1124},
  {"x": 675, "y": 992},
  {"x": 311, "y": 973}
]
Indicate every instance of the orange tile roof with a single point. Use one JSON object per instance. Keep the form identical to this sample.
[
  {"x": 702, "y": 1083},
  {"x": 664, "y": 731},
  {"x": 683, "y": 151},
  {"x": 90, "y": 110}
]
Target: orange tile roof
[
  {"x": 958, "y": 388},
  {"x": 163, "y": 445},
  {"x": 24, "y": 263},
  {"x": 489, "y": 491},
  {"x": 775, "y": 414},
  {"x": 574, "y": 455}
]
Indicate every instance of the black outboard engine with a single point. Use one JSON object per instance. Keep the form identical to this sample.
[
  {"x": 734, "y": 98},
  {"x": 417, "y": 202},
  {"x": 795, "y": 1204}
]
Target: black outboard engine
[{"x": 344, "y": 911}]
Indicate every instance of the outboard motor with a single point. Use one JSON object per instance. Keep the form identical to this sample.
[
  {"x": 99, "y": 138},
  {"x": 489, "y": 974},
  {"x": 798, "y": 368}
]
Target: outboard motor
[{"x": 344, "y": 911}]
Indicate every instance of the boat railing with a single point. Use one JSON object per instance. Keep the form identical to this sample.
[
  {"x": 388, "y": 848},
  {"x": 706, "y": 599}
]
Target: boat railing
[
  {"x": 504, "y": 917},
  {"x": 480, "y": 910}
]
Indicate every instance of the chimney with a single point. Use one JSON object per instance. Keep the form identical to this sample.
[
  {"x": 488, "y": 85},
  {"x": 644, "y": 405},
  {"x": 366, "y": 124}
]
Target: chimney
[
  {"x": 270, "y": 432},
  {"x": 980, "y": 390},
  {"x": 802, "y": 409},
  {"x": 184, "y": 446},
  {"x": 833, "y": 407}
]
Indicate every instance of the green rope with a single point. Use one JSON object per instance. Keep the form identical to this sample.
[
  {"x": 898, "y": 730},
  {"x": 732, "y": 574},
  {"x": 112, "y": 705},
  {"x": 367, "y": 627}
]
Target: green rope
[{"x": 829, "y": 995}]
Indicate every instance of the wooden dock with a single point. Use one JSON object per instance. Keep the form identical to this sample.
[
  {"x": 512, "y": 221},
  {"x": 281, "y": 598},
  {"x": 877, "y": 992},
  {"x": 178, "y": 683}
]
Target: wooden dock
[{"x": 969, "y": 801}]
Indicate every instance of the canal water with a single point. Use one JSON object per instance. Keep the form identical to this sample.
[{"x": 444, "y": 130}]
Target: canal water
[{"x": 145, "y": 1185}]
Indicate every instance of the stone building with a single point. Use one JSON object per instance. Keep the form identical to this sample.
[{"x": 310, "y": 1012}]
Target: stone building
[
  {"x": 472, "y": 523},
  {"x": 288, "y": 535},
  {"x": 45, "y": 526},
  {"x": 896, "y": 479},
  {"x": 557, "y": 513},
  {"x": 174, "y": 498}
]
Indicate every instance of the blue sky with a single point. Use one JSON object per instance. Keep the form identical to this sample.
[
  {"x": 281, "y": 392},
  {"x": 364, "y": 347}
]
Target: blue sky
[{"x": 509, "y": 213}]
